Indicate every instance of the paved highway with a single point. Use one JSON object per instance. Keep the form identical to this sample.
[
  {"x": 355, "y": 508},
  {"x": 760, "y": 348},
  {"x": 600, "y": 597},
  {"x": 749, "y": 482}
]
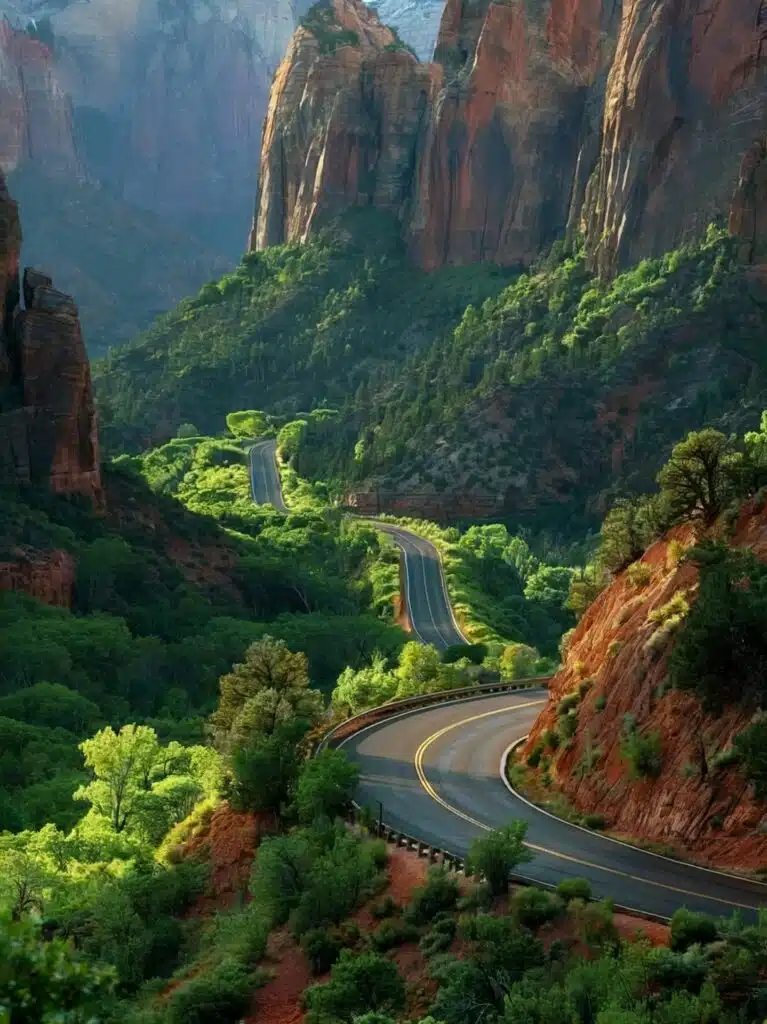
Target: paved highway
[
  {"x": 437, "y": 771},
  {"x": 429, "y": 611},
  {"x": 264, "y": 475},
  {"x": 437, "y": 774}
]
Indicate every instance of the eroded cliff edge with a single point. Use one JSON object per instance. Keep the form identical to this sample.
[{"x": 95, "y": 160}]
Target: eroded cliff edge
[{"x": 634, "y": 126}]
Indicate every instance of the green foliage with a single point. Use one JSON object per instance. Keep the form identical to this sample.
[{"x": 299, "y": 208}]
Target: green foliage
[
  {"x": 600, "y": 703},
  {"x": 440, "y": 936},
  {"x": 321, "y": 948},
  {"x": 219, "y": 996},
  {"x": 358, "y": 983},
  {"x": 497, "y": 854},
  {"x": 721, "y": 651},
  {"x": 43, "y": 981},
  {"x": 326, "y": 785},
  {"x": 392, "y": 933},
  {"x": 322, "y": 21},
  {"x": 701, "y": 477},
  {"x": 689, "y": 928},
  {"x": 750, "y": 748},
  {"x": 574, "y": 889},
  {"x": 265, "y": 769},
  {"x": 250, "y": 424},
  {"x": 438, "y": 894},
  {"x": 642, "y": 752},
  {"x": 534, "y": 907}
]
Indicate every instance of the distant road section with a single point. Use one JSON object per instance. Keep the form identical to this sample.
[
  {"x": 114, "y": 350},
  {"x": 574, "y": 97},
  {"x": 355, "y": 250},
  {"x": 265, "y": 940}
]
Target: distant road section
[
  {"x": 428, "y": 605},
  {"x": 264, "y": 475}
]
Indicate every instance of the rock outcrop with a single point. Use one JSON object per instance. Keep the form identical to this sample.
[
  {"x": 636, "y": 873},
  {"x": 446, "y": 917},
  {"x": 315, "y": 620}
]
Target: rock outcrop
[
  {"x": 700, "y": 809},
  {"x": 36, "y": 123},
  {"x": 416, "y": 21},
  {"x": 343, "y": 126},
  {"x": 48, "y": 424},
  {"x": 635, "y": 127}
]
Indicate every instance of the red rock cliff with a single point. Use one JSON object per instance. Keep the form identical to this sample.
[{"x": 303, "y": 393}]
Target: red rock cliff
[
  {"x": 48, "y": 425},
  {"x": 700, "y": 809},
  {"x": 36, "y": 121},
  {"x": 343, "y": 127},
  {"x": 635, "y": 126}
]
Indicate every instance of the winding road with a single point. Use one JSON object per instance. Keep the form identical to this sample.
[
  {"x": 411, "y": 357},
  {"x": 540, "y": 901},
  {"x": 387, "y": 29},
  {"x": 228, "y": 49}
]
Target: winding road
[{"x": 437, "y": 771}]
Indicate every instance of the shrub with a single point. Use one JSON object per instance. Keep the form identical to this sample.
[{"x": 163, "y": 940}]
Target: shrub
[
  {"x": 387, "y": 907},
  {"x": 574, "y": 889},
  {"x": 572, "y": 700},
  {"x": 534, "y": 757},
  {"x": 495, "y": 855},
  {"x": 358, "y": 983},
  {"x": 392, "y": 933},
  {"x": 595, "y": 821},
  {"x": 677, "y": 606},
  {"x": 643, "y": 753},
  {"x": 325, "y": 785},
  {"x": 584, "y": 687},
  {"x": 590, "y": 757},
  {"x": 615, "y": 648},
  {"x": 600, "y": 703},
  {"x": 440, "y": 893},
  {"x": 593, "y": 922},
  {"x": 750, "y": 747},
  {"x": 689, "y": 928},
  {"x": 440, "y": 936},
  {"x": 567, "y": 725},
  {"x": 534, "y": 907},
  {"x": 639, "y": 574},
  {"x": 674, "y": 553},
  {"x": 218, "y": 996},
  {"x": 550, "y": 739},
  {"x": 321, "y": 948}
]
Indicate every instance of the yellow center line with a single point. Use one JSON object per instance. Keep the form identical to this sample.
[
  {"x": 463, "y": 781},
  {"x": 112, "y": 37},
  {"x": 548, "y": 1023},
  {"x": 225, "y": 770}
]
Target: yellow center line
[{"x": 418, "y": 762}]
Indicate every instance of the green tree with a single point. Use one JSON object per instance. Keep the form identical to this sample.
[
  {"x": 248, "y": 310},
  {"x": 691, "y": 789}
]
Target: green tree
[
  {"x": 495, "y": 855},
  {"x": 122, "y": 764},
  {"x": 186, "y": 430},
  {"x": 248, "y": 424},
  {"x": 366, "y": 687},
  {"x": 269, "y": 687},
  {"x": 358, "y": 984},
  {"x": 326, "y": 785},
  {"x": 418, "y": 669},
  {"x": 42, "y": 982},
  {"x": 518, "y": 661},
  {"x": 700, "y": 478},
  {"x": 751, "y": 748},
  {"x": 265, "y": 769}
]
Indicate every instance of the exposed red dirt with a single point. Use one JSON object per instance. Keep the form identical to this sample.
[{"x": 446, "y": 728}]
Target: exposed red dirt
[
  {"x": 228, "y": 842},
  {"x": 279, "y": 1001}
]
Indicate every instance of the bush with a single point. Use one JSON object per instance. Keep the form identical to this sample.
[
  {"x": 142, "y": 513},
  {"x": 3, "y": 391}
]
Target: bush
[
  {"x": 639, "y": 574},
  {"x": 325, "y": 785},
  {"x": 440, "y": 893},
  {"x": 357, "y": 984},
  {"x": 550, "y": 739},
  {"x": 644, "y": 754},
  {"x": 568, "y": 725},
  {"x": 750, "y": 748},
  {"x": 534, "y": 907},
  {"x": 584, "y": 687},
  {"x": 496, "y": 854},
  {"x": 387, "y": 907},
  {"x": 689, "y": 928},
  {"x": 568, "y": 703},
  {"x": 392, "y": 933},
  {"x": 475, "y": 653},
  {"x": 534, "y": 757},
  {"x": 600, "y": 703},
  {"x": 439, "y": 938},
  {"x": 574, "y": 889},
  {"x": 218, "y": 996},
  {"x": 321, "y": 948},
  {"x": 595, "y": 821}
]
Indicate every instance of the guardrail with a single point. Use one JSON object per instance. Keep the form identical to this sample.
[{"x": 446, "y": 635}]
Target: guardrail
[{"x": 351, "y": 725}]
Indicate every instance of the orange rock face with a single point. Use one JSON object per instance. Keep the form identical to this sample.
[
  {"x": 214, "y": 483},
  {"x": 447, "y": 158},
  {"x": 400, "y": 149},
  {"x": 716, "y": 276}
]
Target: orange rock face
[
  {"x": 49, "y": 576},
  {"x": 48, "y": 424},
  {"x": 342, "y": 128},
  {"x": 701, "y": 810},
  {"x": 628, "y": 126}
]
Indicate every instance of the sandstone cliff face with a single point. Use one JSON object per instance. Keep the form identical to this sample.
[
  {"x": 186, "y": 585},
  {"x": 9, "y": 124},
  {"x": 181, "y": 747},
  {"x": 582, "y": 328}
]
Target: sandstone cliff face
[
  {"x": 342, "y": 128},
  {"x": 36, "y": 122},
  {"x": 635, "y": 126},
  {"x": 699, "y": 809},
  {"x": 48, "y": 425}
]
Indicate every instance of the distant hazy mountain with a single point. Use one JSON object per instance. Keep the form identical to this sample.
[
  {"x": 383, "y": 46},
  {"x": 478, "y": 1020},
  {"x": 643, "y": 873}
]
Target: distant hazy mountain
[{"x": 417, "y": 21}]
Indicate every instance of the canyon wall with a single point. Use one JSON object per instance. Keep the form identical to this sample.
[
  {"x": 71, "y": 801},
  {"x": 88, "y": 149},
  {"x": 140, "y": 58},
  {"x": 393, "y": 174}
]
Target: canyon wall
[
  {"x": 634, "y": 126},
  {"x": 48, "y": 423},
  {"x": 697, "y": 806}
]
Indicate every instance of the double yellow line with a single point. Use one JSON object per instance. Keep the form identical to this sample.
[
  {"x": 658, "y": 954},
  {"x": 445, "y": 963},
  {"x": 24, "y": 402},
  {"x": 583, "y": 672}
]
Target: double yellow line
[{"x": 429, "y": 788}]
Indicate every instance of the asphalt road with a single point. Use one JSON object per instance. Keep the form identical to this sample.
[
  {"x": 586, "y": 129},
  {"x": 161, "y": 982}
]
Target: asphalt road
[
  {"x": 437, "y": 774},
  {"x": 431, "y": 616},
  {"x": 429, "y": 610},
  {"x": 264, "y": 476}
]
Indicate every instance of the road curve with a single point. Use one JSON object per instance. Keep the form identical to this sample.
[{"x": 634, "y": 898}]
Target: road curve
[
  {"x": 264, "y": 476},
  {"x": 437, "y": 774},
  {"x": 428, "y": 605}
]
